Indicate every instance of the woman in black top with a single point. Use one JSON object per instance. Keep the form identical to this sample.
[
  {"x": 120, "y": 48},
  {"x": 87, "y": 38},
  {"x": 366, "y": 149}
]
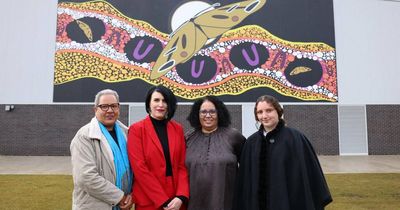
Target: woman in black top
[{"x": 212, "y": 155}]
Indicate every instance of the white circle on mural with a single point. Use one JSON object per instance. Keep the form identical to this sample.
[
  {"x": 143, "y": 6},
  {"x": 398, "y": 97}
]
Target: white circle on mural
[{"x": 187, "y": 11}]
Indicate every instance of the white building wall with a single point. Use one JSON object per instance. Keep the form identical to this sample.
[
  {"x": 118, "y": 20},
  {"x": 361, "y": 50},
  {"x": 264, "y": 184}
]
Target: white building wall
[
  {"x": 367, "y": 46},
  {"x": 27, "y": 51}
]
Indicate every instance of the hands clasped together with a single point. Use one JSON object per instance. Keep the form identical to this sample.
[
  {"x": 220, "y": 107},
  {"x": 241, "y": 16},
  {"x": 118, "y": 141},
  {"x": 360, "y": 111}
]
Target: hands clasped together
[
  {"x": 174, "y": 204},
  {"x": 126, "y": 202}
]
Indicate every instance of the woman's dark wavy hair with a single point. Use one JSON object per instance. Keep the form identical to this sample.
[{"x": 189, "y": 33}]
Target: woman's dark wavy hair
[
  {"x": 271, "y": 100},
  {"x": 169, "y": 97},
  {"x": 224, "y": 117}
]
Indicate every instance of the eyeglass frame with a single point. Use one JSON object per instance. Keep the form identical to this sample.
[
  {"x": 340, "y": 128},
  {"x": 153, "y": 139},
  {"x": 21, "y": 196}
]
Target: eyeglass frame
[
  {"x": 114, "y": 107},
  {"x": 211, "y": 112}
]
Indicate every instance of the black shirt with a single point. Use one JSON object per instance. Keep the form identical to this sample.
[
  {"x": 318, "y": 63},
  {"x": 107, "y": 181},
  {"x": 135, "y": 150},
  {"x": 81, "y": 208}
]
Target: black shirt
[
  {"x": 161, "y": 129},
  {"x": 114, "y": 136}
]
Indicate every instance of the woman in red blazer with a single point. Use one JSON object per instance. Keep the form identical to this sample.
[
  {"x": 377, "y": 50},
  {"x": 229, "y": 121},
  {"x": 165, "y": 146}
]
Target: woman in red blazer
[{"x": 156, "y": 149}]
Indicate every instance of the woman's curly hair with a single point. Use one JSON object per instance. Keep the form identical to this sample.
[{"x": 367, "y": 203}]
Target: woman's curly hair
[{"x": 224, "y": 117}]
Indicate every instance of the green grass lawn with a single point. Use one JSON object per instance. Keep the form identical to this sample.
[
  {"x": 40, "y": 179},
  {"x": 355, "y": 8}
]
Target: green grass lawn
[
  {"x": 364, "y": 191},
  {"x": 349, "y": 191},
  {"x": 35, "y": 192}
]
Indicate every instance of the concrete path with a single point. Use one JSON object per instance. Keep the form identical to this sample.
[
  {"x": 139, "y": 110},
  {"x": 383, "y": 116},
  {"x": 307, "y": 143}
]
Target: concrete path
[
  {"x": 330, "y": 164},
  {"x": 35, "y": 165},
  {"x": 360, "y": 164}
]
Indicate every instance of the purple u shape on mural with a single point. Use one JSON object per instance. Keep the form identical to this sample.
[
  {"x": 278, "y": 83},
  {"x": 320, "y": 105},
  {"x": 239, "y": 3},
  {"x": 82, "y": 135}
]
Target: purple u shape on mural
[
  {"x": 136, "y": 53},
  {"x": 246, "y": 56},
  {"x": 193, "y": 70}
]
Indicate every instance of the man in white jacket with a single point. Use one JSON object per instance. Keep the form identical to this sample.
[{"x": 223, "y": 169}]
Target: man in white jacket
[{"x": 100, "y": 167}]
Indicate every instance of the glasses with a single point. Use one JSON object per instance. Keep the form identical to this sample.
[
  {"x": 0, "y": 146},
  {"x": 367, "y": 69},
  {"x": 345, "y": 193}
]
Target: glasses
[
  {"x": 105, "y": 107},
  {"x": 204, "y": 112}
]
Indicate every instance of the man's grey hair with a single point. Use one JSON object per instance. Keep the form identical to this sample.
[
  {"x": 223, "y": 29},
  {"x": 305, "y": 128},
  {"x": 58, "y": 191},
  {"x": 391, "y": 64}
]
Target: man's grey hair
[{"x": 105, "y": 92}]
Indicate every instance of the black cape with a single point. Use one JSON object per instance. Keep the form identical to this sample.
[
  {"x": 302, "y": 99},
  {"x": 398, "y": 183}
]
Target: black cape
[{"x": 292, "y": 174}]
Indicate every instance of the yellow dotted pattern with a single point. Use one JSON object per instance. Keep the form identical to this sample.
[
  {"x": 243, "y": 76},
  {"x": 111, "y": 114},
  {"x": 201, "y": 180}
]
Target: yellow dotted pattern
[
  {"x": 71, "y": 66},
  {"x": 240, "y": 84},
  {"x": 253, "y": 32},
  {"x": 105, "y": 8}
]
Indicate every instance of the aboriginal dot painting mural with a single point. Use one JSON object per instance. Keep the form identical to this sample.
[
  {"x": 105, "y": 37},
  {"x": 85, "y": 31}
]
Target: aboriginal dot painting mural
[{"x": 237, "y": 50}]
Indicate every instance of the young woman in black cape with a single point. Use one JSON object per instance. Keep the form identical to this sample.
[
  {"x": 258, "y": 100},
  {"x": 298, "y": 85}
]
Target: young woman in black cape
[{"x": 278, "y": 167}]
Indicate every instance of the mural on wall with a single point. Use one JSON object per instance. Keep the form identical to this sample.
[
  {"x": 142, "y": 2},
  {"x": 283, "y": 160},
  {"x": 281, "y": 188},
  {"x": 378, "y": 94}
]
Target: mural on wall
[{"x": 196, "y": 48}]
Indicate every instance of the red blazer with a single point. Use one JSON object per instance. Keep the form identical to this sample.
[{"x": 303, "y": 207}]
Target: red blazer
[{"x": 148, "y": 163}]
